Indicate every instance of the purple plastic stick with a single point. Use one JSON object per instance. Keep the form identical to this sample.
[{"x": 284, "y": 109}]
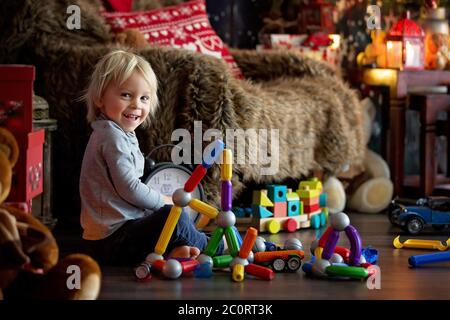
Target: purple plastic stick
[
  {"x": 330, "y": 245},
  {"x": 355, "y": 245},
  {"x": 227, "y": 195}
]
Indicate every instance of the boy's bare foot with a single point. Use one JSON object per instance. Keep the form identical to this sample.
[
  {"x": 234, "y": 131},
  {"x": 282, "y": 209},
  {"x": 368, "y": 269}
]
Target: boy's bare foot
[{"x": 185, "y": 252}]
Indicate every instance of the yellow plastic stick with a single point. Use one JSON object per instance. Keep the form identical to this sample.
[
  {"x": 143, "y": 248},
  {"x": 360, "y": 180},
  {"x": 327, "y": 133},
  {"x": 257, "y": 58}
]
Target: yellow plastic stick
[
  {"x": 204, "y": 208},
  {"x": 421, "y": 244},
  {"x": 167, "y": 231},
  {"x": 318, "y": 252},
  {"x": 238, "y": 272},
  {"x": 226, "y": 169}
]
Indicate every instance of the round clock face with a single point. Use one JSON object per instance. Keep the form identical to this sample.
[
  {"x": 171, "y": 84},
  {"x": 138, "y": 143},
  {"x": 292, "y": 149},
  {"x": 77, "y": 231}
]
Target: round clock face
[{"x": 168, "y": 178}]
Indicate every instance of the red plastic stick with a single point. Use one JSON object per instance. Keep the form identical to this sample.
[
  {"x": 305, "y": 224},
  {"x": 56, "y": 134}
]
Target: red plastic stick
[
  {"x": 189, "y": 266},
  {"x": 259, "y": 271},
  {"x": 324, "y": 238},
  {"x": 195, "y": 178}
]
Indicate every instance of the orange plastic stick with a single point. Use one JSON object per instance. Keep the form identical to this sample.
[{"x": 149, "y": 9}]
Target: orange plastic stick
[{"x": 248, "y": 242}]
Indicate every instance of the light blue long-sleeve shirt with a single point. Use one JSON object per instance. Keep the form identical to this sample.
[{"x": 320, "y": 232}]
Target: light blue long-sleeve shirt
[{"x": 110, "y": 187}]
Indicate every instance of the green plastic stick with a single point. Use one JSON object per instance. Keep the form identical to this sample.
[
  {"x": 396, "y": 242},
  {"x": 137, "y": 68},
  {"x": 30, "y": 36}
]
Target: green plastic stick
[
  {"x": 214, "y": 241},
  {"x": 222, "y": 261},
  {"x": 233, "y": 245},
  {"x": 344, "y": 271}
]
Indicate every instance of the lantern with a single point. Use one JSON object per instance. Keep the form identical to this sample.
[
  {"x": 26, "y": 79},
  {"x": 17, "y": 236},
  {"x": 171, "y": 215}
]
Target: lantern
[
  {"x": 315, "y": 16},
  {"x": 405, "y": 45}
]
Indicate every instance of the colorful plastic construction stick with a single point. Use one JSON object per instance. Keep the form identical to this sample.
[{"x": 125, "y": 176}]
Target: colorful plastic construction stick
[
  {"x": 232, "y": 242},
  {"x": 324, "y": 238},
  {"x": 214, "y": 241},
  {"x": 238, "y": 272},
  {"x": 226, "y": 171},
  {"x": 355, "y": 244},
  {"x": 168, "y": 229},
  {"x": 188, "y": 266},
  {"x": 209, "y": 157},
  {"x": 203, "y": 208},
  {"x": 421, "y": 244},
  {"x": 423, "y": 259},
  {"x": 248, "y": 242},
  {"x": 346, "y": 271},
  {"x": 195, "y": 178},
  {"x": 222, "y": 261},
  {"x": 226, "y": 195},
  {"x": 328, "y": 250},
  {"x": 260, "y": 271},
  {"x": 268, "y": 256}
]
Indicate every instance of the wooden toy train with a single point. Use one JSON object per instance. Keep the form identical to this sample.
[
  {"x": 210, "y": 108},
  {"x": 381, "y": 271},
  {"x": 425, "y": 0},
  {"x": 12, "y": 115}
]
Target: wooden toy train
[{"x": 278, "y": 208}]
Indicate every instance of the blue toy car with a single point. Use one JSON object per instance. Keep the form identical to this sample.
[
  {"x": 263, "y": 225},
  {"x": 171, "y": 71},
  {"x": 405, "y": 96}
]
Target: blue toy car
[{"x": 434, "y": 211}]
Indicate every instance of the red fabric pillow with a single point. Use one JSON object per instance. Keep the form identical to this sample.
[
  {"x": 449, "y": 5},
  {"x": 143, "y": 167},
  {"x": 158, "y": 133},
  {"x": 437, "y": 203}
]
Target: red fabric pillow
[
  {"x": 120, "y": 5},
  {"x": 181, "y": 26}
]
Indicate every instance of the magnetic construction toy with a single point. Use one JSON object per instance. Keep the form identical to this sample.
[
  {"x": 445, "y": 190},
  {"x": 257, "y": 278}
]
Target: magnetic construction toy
[
  {"x": 421, "y": 244},
  {"x": 225, "y": 219},
  {"x": 329, "y": 259}
]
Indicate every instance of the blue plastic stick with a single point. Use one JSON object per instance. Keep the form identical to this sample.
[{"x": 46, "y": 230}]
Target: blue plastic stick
[{"x": 423, "y": 259}]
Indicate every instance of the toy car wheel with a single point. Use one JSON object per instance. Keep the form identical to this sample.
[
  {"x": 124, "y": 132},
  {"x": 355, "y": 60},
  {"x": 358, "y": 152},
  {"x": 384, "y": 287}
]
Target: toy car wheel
[
  {"x": 294, "y": 263},
  {"x": 414, "y": 225},
  {"x": 278, "y": 265}
]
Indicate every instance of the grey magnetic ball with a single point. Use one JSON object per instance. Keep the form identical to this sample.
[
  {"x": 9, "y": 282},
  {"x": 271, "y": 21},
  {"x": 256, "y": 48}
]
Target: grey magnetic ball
[
  {"x": 362, "y": 259},
  {"x": 181, "y": 198},
  {"x": 293, "y": 244},
  {"x": 172, "y": 269},
  {"x": 152, "y": 257},
  {"x": 250, "y": 257},
  {"x": 336, "y": 258},
  {"x": 339, "y": 221},
  {"x": 238, "y": 260},
  {"x": 260, "y": 245},
  {"x": 319, "y": 266},
  {"x": 314, "y": 246},
  {"x": 203, "y": 258},
  {"x": 226, "y": 219}
]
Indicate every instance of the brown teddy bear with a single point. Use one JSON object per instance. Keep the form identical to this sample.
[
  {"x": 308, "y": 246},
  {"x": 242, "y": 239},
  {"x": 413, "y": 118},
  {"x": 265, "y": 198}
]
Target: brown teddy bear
[
  {"x": 29, "y": 266},
  {"x": 132, "y": 38}
]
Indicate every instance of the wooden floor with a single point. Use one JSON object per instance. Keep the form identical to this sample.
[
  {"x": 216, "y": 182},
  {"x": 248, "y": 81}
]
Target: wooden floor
[{"x": 398, "y": 280}]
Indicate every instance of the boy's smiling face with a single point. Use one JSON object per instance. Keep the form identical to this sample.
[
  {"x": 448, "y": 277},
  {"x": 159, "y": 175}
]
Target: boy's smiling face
[{"x": 127, "y": 105}]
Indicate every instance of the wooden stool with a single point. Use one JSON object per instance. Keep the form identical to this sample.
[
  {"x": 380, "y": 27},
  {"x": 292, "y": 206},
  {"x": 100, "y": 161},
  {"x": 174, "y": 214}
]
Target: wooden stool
[{"x": 429, "y": 106}]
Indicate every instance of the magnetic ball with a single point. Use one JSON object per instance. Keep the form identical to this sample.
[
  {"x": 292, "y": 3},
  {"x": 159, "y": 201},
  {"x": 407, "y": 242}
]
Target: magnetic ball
[
  {"x": 172, "y": 269},
  {"x": 152, "y": 257},
  {"x": 319, "y": 267},
  {"x": 339, "y": 221},
  {"x": 293, "y": 244},
  {"x": 239, "y": 260},
  {"x": 362, "y": 260},
  {"x": 250, "y": 257},
  {"x": 203, "y": 258},
  {"x": 336, "y": 258},
  {"x": 260, "y": 245},
  {"x": 181, "y": 198},
  {"x": 226, "y": 219}
]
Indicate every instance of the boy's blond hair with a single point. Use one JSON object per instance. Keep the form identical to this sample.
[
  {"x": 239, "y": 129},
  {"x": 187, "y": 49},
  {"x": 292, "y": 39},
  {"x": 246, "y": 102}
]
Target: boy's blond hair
[{"x": 116, "y": 67}]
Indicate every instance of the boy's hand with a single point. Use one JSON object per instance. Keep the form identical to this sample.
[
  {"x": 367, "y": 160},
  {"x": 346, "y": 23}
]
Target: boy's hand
[{"x": 167, "y": 199}]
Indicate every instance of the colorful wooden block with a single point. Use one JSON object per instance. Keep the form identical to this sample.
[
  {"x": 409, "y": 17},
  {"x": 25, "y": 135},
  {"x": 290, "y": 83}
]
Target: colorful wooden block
[
  {"x": 323, "y": 200},
  {"x": 308, "y": 193},
  {"x": 261, "y": 212},
  {"x": 305, "y": 224},
  {"x": 315, "y": 221},
  {"x": 313, "y": 184},
  {"x": 261, "y": 224},
  {"x": 310, "y": 201},
  {"x": 279, "y": 209},
  {"x": 292, "y": 196},
  {"x": 260, "y": 199},
  {"x": 290, "y": 225},
  {"x": 293, "y": 208},
  {"x": 277, "y": 193},
  {"x": 310, "y": 209}
]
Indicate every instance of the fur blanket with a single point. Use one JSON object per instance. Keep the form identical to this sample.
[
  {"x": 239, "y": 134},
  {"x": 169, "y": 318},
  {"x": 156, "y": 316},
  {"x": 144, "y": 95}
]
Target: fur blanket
[{"x": 318, "y": 116}]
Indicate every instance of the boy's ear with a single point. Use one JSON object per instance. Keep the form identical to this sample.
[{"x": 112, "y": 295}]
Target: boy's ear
[{"x": 98, "y": 102}]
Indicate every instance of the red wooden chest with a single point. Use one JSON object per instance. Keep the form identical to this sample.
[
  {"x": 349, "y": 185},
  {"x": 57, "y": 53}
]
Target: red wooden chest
[{"x": 16, "y": 108}]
